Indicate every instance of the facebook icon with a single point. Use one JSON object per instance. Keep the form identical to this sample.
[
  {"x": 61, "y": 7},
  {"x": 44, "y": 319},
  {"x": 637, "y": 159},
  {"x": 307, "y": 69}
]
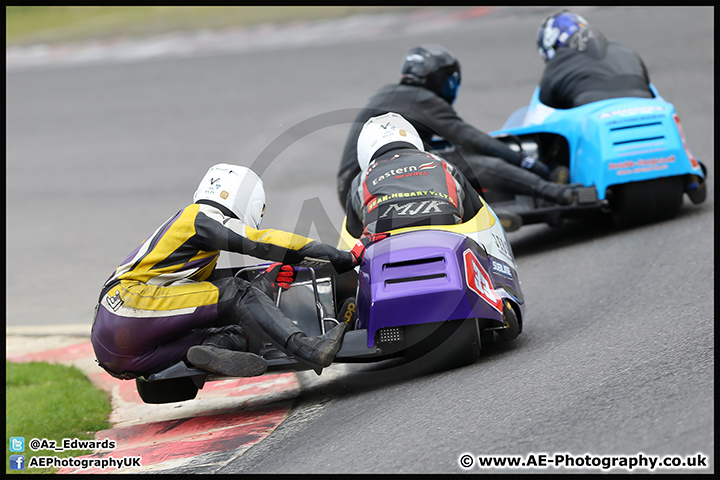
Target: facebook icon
[{"x": 17, "y": 462}]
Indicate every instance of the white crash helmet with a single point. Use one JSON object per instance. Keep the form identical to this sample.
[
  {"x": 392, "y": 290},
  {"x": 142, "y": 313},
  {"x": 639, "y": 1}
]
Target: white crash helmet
[
  {"x": 383, "y": 130},
  {"x": 236, "y": 188}
]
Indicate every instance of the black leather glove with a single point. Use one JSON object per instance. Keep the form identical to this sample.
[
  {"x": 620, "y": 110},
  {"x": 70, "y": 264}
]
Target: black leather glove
[{"x": 535, "y": 166}]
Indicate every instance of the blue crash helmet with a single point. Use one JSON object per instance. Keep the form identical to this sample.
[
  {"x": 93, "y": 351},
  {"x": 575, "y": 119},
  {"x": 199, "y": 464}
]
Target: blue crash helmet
[{"x": 555, "y": 32}]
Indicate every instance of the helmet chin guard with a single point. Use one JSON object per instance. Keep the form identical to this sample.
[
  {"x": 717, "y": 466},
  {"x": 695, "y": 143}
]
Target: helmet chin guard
[
  {"x": 383, "y": 130},
  {"x": 236, "y": 188}
]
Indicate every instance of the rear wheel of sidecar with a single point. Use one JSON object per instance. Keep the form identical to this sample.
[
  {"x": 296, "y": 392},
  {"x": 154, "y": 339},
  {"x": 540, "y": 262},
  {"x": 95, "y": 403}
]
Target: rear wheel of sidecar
[
  {"x": 451, "y": 344},
  {"x": 166, "y": 391},
  {"x": 638, "y": 203}
]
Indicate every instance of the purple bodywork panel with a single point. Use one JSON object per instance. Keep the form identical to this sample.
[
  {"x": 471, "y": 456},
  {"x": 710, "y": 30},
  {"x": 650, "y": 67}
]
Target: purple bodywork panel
[{"x": 425, "y": 276}]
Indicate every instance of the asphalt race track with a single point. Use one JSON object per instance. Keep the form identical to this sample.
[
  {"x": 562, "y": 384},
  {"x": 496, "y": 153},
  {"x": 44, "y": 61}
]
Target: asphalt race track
[{"x": 617, "y": 355}]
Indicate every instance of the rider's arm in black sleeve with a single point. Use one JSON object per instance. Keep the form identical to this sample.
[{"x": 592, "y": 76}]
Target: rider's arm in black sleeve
[
  {"x": 215, "y": 231},
  {"x": 440, "y": 117}
]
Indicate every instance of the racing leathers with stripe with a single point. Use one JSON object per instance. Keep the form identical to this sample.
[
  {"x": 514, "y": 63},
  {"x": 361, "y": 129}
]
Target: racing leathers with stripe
[
  {"x": 593, "y": 69},
  {"x": 486, "y": 162},
  {"x": 406, "y": 187},
  {"x": 163, "y": 300}
]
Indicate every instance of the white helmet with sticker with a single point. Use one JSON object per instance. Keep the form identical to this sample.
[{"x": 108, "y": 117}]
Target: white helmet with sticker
[
  {"x": 236, "y": 188},
  {"x": 383, "y": 130}
]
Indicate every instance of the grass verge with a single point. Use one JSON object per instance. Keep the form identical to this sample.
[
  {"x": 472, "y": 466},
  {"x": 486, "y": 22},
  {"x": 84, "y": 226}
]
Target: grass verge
[
  {"x": 51, "y": 402},
  {"x": 27, "y": 25}
]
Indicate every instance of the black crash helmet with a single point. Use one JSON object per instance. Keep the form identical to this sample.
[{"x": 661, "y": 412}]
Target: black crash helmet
[{"x": 432, "y": 67}]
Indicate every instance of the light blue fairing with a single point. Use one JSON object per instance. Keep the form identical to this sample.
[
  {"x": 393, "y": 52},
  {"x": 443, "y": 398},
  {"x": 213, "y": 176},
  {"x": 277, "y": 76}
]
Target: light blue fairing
[{"x": 614, "y": 141}]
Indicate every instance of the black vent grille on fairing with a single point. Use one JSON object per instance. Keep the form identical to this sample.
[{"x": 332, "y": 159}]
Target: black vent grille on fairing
[
  {"x": 432, "y": 267},
  {"x": 646, "y": 127}
]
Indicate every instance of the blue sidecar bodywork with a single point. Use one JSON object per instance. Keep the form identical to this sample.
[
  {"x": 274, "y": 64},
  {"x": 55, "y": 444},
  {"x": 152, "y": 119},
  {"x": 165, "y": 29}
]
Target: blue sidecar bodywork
[{"x": 630, "y": 154}]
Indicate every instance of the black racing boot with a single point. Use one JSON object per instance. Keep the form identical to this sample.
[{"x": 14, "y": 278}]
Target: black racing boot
[
  {"x": 226, "y": 362},
  {"x": 317, "y": 350},
  {"x": 257, "y": 312},
  {"x": 269, "y": 352},
  {"x": 567, "y": 195},
  {"x": 230, "y": 337},
  {"x": 348, "y": 313},
  {"x": 556, "y": 193}
]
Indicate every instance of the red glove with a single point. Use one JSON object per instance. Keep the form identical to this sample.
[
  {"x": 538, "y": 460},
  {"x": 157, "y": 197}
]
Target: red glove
[
  {"x": 284, "y": 274},
  {"x": 358, "y": 251}
]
